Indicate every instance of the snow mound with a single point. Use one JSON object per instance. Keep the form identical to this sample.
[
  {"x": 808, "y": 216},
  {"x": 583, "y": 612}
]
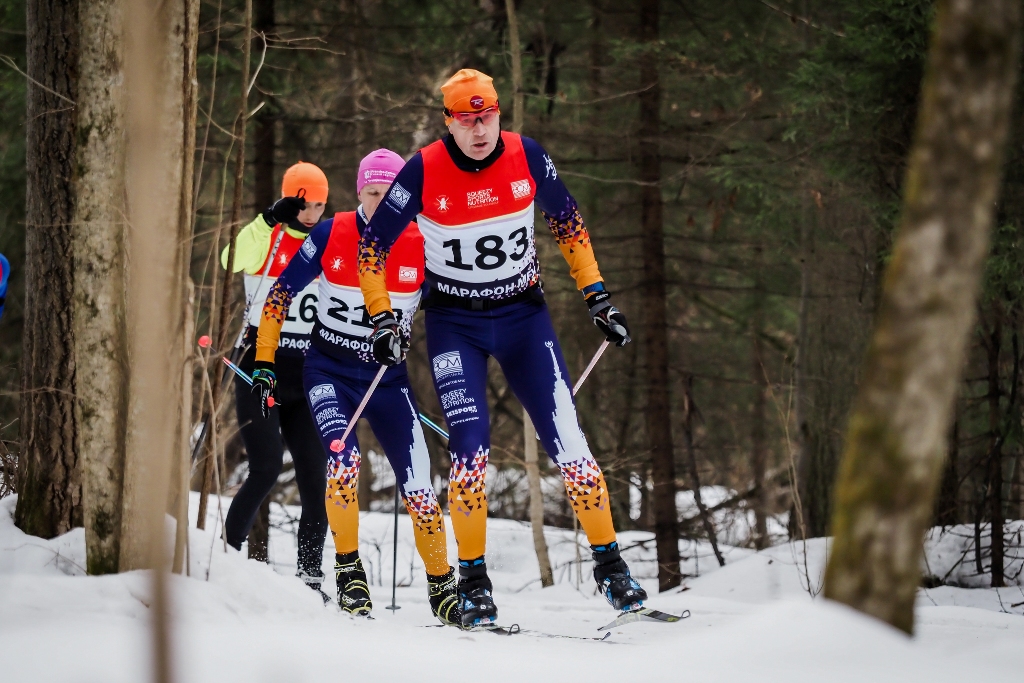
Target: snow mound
[{"x": 240, "y": 620}]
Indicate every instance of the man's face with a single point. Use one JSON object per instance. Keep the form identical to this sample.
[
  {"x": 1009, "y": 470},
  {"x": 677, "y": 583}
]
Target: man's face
[
  {"x": 311, "y": 215},
  {"x": 478, "y": 140},
  {"x": 370, "y": 197}
]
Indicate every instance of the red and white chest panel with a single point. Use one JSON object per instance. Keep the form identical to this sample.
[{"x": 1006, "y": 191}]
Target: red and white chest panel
[
  {"x": 478, "y": 227},
  {"x": 300, "y": 318},
  {"x": 342, "y": 319}
]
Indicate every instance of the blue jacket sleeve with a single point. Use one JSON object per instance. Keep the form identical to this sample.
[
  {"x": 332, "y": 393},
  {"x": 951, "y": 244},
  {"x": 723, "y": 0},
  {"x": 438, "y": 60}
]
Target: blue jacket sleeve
[{"x": 552, "y": 197}]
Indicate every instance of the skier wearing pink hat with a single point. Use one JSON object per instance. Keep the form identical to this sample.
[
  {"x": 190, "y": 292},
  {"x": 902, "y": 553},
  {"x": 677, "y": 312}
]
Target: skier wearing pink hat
[{"x": 339, "y": 368}]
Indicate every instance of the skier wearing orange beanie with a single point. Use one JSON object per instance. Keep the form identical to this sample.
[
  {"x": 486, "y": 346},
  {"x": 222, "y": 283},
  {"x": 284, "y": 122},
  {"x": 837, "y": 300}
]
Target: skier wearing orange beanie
[{"x": 473, "y": 195}]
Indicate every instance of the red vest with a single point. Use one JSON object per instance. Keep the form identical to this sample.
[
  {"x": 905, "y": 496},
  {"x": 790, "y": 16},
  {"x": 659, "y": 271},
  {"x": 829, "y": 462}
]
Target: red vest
[
  {"x": 342, "y": 319},
  {"x": 478, "y": 227}
]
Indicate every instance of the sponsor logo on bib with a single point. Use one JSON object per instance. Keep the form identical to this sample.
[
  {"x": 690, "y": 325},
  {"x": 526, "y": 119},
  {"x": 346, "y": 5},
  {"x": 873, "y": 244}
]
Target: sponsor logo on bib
[
  {"x": 407, "y": 274},
  {"x": 442, "y": 203},
  {"x": 521, "y": 189},
  {"x": 336, "y": 263},
  {"x": 480, "y": 198},
  {"x": 447, "y": 364}
]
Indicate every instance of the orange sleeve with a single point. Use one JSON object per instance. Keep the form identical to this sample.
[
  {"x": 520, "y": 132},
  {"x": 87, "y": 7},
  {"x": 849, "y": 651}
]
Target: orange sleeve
[
  {"x": 268, "y": 335},
  {"x": 373, "y": 276},
  {"x": 574, "y": 243}
]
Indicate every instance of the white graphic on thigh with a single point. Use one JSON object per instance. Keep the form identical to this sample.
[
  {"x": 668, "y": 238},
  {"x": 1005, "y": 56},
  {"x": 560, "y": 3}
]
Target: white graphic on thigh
[
  {"x": 572, "y": 445},
  {"x": 419, "y": 473}
]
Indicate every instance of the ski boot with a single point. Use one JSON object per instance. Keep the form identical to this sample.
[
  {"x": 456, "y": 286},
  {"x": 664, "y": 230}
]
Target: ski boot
[
  {"x": 444, "y": 598},
  {"x": 353, "y": 591},
  {"x": 314, "y": 582},
  {"x": 612, "y": 576},
  {"x": 475, "y": 601}
]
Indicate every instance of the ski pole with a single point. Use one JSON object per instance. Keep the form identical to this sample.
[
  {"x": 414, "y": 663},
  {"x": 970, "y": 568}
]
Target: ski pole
[
  {"x": 359, "y": 411},
  {"x": 394, "y": 556},
  {"x": 205, "y": 342},
  {"x": 590, "y": 366},
  {"x": 433, "y": 425}
]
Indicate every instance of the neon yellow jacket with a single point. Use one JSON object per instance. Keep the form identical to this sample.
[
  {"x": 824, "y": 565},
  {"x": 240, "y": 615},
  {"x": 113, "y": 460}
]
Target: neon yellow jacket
[{"x": 252, "y": 246}]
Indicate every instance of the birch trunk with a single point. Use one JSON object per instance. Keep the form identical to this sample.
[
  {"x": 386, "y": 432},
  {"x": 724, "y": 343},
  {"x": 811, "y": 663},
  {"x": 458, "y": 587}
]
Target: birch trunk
[
  {"x": 896, "y": 439},
  {"x": 101, "y": 336}
]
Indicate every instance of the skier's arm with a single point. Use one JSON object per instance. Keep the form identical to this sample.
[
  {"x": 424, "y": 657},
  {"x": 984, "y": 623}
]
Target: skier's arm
[
  {"x": 251, "y": 247},
  {"x": 302, "y": 269},
  {"x": 563, "y": 218},
  {"x": 400, "y": 206}
]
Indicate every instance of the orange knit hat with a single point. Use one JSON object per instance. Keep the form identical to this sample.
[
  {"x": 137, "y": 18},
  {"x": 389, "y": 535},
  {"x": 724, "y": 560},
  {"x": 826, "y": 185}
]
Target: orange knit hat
[
  {"x": 467, "y": 91},
  {"x": 305, "y": 178}
]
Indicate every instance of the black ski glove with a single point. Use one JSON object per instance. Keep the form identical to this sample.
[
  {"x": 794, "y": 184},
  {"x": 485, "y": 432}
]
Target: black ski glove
[
  {"x": 388, "y": 342},
  {"x": 285, "y": 210},
  {"x": 608, "y": 319},
  {"x": 264, "y": 381}
]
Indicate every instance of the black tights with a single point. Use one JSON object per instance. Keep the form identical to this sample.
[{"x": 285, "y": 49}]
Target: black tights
[{"x": 289, "y": 417}]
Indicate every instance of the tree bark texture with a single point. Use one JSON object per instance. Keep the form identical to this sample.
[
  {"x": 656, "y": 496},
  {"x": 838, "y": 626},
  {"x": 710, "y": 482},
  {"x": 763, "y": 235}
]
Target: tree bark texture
[
  {"x": 758, "y": 421},
  {"x": 265, "y": 193},
  {"x": 995, "y": 449},
  {"x": 659, "y": 413},
  {"x": 49, "y": 500},
  {"x": 160, "y": 44},
  {"x": 896, "y": 438},
  {"x": 540, "y": 544},
  {"x": 221, "y": 335},
  {"x": 101, "y": 335}
]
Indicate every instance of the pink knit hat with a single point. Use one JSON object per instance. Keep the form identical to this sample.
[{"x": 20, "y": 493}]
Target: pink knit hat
[{"x": 380, "y": 166}]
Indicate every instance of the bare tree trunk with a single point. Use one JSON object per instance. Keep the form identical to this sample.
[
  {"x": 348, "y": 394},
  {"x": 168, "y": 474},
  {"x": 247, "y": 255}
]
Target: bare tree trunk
[
  {"x": 758, "y": 447},
  {"x": 264, "y": 143},
  {"x": 800, "y": 523},
  {"x": 691, "y": 458},
  {"x": 49, "y": 483},
  {"x": 161, "y": 44},
  {"x": 897, "y": 434},
  {"x": 659, "y": 409},
  {"x": 227, "y": 291},
  {"x": 946, "y": 509},
  {"x": 540, "y": 544},
  {"x": 181, "y": 469},
  {"x": 101, "y": 336},
  {"x": 995, "y": 447}
]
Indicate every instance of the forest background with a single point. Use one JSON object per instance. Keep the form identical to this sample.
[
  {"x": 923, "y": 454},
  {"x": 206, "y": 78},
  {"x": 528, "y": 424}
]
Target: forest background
[{"x": 739, "y": 166}]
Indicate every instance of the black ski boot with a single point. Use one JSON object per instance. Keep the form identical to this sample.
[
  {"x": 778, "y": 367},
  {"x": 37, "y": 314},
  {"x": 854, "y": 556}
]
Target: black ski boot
[
  {"x": 353, "y": 591},
  {"x": 444, "y": 598},
  {"x": 314, "y": 582},
  {"x": 475, "y": 601},
  {"x": 612, "y": 576}
]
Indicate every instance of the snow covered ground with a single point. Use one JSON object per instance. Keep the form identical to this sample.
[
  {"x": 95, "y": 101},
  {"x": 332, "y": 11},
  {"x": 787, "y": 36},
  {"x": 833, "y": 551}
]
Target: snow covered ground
[{"x": 753, "y": 620}]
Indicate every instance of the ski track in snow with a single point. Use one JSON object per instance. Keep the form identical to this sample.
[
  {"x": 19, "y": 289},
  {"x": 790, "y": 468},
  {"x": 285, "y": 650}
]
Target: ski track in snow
[{"x": 752, "y": 620}]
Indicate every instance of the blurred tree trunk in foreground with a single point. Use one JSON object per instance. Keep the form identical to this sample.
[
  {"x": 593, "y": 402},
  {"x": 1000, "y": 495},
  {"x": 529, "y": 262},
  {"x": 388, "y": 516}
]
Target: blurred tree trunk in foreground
[
  {"x": 897, "y": 436},
  {"x": 49, "y": 483},
  {"x": 161, "y": 117}
]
